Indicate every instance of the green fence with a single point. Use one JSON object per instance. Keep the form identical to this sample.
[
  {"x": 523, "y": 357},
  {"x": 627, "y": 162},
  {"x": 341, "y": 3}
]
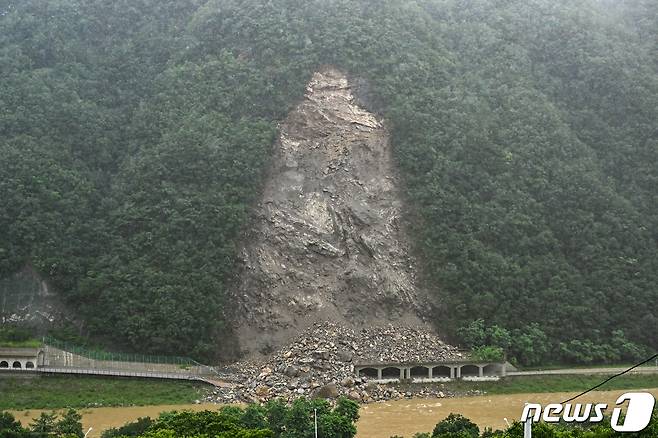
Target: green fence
[{"x": 117, "y": 357}]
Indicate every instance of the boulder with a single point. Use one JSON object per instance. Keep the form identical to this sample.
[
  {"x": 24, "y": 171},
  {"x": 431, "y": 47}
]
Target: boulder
[
  {"x": 354, "y": 395},
  {"x": 347, "y": 382},
  {"x": 329, "y": 390}
]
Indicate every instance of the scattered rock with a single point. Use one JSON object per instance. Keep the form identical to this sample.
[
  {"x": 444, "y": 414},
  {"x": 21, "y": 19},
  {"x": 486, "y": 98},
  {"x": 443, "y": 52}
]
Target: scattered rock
[
  {"x": 345, "y": 356},
  {"x": 315, "y": 364},
  {"x": 262, "y": 391}
]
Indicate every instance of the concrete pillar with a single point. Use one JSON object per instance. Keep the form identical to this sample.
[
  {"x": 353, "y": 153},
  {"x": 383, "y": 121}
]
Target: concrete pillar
[
  {"x": 429, "y": 372},
  {"x": 480, "y": 370},
  {"x": 401, "y": 373},
  {"x": 503, "y": 371},
  {"x": 452, "y": 372},
  {"x": 459, "y": 372},
  {"x": 379, "y": 373}
]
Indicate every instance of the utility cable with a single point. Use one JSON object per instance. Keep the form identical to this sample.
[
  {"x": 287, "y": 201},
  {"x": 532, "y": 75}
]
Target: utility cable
[{"x": 612, "y": 377}]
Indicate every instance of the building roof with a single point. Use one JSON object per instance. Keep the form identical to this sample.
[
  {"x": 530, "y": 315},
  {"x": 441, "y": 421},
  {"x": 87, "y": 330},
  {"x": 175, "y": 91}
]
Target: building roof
[{"x": 19, "y": 352}]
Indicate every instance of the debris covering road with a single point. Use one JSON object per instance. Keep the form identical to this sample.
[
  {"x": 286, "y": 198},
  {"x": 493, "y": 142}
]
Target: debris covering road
[{"x": 320, "y": 363}]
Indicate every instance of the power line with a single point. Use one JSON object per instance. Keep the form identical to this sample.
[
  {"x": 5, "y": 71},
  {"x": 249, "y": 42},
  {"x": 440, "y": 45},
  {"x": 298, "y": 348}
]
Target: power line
[{"x": 612, "y": 377}]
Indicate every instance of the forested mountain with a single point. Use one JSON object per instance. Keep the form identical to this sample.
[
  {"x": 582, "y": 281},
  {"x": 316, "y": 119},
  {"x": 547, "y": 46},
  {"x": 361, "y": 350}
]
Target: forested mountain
[{"x": 134, "y": 136}]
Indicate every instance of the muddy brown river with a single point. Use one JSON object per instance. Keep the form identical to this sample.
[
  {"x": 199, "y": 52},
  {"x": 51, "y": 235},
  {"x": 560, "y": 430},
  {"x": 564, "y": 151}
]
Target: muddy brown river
[{"x": 378, "y": 420}]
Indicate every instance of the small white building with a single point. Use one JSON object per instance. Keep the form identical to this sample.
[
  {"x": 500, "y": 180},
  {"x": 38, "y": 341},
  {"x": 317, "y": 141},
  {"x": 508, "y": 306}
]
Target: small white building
[{"x": 21, "y": 358}]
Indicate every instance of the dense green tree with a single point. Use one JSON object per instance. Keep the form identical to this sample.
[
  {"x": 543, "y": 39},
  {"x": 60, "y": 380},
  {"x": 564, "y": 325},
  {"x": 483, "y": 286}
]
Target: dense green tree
[
  {"x": 9, "y": 426},
  {"x": 45, "y": 424},
  {"x": 135, "y": 428},
  {"x": 456, "y": 426},
  {"x": 70, "y": 424}
]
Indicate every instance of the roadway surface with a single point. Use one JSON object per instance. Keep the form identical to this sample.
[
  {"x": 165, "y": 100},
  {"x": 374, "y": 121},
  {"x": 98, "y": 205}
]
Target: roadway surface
[{"x": 585, "y": 371}]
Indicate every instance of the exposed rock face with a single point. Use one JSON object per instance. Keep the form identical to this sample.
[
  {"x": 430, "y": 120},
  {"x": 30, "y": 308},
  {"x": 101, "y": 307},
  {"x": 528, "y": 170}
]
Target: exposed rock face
[
  {"x": 26, "y": 298},
  {"x": 327, "y": 242}
]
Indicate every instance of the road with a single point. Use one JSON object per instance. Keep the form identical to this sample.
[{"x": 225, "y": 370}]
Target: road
[{"x": 586, "y": 371}]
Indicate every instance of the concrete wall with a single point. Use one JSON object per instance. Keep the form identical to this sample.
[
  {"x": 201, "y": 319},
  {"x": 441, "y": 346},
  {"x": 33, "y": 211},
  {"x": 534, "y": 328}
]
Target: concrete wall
[
  {"x": 20, "y": 358},
  {"x": 15, "y": 363},
  {"x": 431, "y": 372}
]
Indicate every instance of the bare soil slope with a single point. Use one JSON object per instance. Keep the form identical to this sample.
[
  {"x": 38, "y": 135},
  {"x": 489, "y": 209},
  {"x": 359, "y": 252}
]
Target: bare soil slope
[{"x": 327, "y": 242}]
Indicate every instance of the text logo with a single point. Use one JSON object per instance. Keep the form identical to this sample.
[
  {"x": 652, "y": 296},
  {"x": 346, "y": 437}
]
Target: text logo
[{"x": 638, "y": 413}]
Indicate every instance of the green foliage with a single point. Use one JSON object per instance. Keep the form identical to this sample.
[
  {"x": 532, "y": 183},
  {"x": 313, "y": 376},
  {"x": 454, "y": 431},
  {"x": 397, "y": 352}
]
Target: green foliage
[
  {"x": 135, "y": 428},
  {"x": 221, "y": 424},
  {"x": 70, "y": 424},
  {"x": 47, "y": 425},
  {"x": 531, "y": 346},
  {"x": 9, "y": 426},
  {"x": 17, "y": 337},
  {"x": 229, "y": 423},
  {"x": 456, "y": 426},
  {"x": 348, "y": 409},
  {"x": 274, "y": 419},
  {"x": 488, "y": 353},
  {"x": 134, "y": 138}
]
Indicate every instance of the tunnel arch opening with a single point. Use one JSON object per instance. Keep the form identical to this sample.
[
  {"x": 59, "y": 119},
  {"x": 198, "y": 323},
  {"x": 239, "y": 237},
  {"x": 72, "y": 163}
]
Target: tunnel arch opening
[
  {"x": 490, "y": 370},
  {"x": 391, "y": 373},
  {"x": 370, "y": 373},
  {"x": 441, "y": 371},
  {"x": 419, "y": 372},
  {"x": 470, "y": 371}
]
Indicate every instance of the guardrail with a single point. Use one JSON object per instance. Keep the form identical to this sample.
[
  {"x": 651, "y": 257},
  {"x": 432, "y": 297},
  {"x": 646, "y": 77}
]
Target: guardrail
[
  {"x": 116, "y": 357},
  {"x": 116, "y": 373}
]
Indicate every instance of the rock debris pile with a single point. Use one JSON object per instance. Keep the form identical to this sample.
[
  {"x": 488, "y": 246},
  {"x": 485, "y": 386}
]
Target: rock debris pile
[{"x": 321, "y": 361}]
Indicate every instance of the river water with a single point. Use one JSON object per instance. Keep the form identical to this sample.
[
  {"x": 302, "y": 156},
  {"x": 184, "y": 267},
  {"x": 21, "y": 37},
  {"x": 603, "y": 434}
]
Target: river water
[{"x": 378, "y": 420}]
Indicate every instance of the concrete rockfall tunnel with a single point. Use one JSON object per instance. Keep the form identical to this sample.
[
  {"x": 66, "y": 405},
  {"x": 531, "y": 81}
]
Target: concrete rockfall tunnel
[
  {"x": 470, "y": 371},
  {"x": 441, "y": 371},
  {"x": 391, "y": 373},
  {"x": 369, "y": 372},
  {"x": 419, "y": 372}
]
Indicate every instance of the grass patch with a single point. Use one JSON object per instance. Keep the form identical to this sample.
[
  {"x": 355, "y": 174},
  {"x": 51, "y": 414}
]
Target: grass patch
[
  {"x": 28, "y": 343},
  {"x": 82, "y": 391},
  {"x": 562, "y": 383},
  {"x": 562, "y": 366}
]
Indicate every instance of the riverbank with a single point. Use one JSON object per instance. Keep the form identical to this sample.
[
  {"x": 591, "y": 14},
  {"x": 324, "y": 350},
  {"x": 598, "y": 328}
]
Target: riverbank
[
  {"x": 548, "y": 383},
  {"x": 56, "y": 392}
]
